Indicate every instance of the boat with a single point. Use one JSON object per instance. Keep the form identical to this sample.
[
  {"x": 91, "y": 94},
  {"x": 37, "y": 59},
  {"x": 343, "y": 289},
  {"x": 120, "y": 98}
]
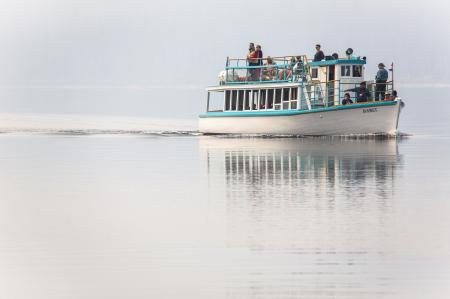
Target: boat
[{"x": 293, "y": 95}]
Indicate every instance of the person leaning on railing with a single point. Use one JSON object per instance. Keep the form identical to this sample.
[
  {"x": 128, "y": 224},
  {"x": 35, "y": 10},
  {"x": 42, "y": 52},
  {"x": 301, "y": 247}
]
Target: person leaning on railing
[
  {"x": 362, "y": 93},
  {"x": 381, "y": 79}
]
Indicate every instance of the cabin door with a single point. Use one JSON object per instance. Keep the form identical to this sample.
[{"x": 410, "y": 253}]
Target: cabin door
[{"x": 331, "y": 84}]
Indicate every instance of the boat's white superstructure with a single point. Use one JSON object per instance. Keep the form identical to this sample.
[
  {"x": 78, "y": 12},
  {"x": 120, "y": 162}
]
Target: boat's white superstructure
[{"x": 299, "y": 103}]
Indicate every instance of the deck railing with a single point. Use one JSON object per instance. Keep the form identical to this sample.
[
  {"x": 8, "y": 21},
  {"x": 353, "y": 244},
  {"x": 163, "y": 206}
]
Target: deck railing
[
  {"x": 270, "y": 70},
  {"x": 312, "y": 95},
  {"x": 331, "y": 93}
]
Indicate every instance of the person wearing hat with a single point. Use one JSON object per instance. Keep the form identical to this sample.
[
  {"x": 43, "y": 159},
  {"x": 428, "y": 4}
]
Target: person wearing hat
[{"x": 381, "y": 79}]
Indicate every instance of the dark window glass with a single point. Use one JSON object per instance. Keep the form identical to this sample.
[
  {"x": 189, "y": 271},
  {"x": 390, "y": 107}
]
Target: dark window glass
[
  {"x": 286, "y": 94},
  {"x": 277, "y": 95},
  {"x": 357, "y": 71},
  {"x": 314, "y": 73},
  {"x": 247, "y": 99},
  {"x": 233, "y": 99},
  {"x": 269, "y": 98},
  {"x": 345, "y": 71},
  {"x": 294, "y": 93},
  {"x": 262, "y": 97},
  {"x": 241, "y": 100}
]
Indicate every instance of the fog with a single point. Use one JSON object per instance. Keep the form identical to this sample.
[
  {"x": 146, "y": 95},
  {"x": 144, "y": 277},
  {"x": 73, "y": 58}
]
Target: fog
[{"x": 54, "y": 43}]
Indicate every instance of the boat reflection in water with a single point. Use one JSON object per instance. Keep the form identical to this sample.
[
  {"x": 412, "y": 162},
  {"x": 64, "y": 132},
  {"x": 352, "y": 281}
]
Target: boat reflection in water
[
  {"x": 306, "y": 216},
  {"x": 304, "y": 168}
]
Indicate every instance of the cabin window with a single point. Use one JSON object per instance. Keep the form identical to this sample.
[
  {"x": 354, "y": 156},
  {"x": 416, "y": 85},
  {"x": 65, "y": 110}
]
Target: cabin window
[
  {"x": 293, "y": 97},
  {"x": 227, "y": 100},
  {"x": 314, "y": 73},
  {"x": 255, "y": 98},
  {"x": 262, "y": 101},
  {"x": 357, "y": 71},
  {"x": 285, "y": 98},
  {"x": 345, "y": 71},
  {"x": 270, "y": 94},
  {"x": 233, "y": 99},
  {"x": 278, "y": 96},
  {"x": 215, "y": 101},
  {"x": 241, "y": 100},
  {"x": 247, "y": 100},
  {"x": 294, "y": 94},
  {"x": 286, "y": 94}
]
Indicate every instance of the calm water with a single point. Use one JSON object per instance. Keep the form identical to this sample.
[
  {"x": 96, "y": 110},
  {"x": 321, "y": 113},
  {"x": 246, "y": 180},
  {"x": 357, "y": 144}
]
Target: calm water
[{"x": 109, "y": 208}]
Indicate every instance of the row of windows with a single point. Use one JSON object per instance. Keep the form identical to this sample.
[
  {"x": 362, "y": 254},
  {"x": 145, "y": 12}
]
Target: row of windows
[
  {"x": 346, "y": 71},
  {"x": 261, "y": 99},
  {"x": 356, "y": 70}
]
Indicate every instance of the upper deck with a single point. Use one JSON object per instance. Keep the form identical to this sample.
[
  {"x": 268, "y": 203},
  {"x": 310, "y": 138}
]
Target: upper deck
[{"x": 282, "y": 69}]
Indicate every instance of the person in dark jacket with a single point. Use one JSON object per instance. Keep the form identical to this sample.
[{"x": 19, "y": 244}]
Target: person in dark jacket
[
  {"x": 259, "y": 54},
  {"x": 381, "y": 79},
  {"x": 259, "y": 62},
  {"x": 362, "y": 94},
  {"x": 319, "y": 54}
]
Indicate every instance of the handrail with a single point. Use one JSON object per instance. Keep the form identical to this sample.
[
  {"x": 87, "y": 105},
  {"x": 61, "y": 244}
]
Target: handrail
[
  {"x": 305, "y": 57},
  {"x": 273, "y": 57}
]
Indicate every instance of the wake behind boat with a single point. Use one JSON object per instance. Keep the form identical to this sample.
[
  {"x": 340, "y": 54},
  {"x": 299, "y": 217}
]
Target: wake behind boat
[{"x": 294, "y": 95}]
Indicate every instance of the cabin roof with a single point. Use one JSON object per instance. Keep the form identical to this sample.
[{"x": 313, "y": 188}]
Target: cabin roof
[{"x": 337, "y": 61}]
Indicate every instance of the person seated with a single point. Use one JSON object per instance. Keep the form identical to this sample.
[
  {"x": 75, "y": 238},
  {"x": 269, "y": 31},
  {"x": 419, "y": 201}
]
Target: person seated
[
  {"x": 393, "y": 96},
  {"x": 284, "y": 73},
  {"x": 269, "y": 70},
  {"x": 298, "y": 69},
  {"x": 347, "y": 99}
]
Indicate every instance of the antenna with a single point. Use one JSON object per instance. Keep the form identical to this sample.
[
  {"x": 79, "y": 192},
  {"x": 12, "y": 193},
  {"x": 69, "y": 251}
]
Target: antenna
[{"x": 392, "y": 70}]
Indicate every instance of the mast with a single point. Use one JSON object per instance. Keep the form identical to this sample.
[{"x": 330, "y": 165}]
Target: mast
[{"x": 392, "y": 70}]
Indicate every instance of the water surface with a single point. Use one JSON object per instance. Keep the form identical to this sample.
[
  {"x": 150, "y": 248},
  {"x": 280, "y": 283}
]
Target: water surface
[{"x": 125, "y": 210}]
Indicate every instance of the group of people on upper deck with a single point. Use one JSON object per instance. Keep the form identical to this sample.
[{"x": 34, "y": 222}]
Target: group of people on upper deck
[{"x": 269, "y": 71}]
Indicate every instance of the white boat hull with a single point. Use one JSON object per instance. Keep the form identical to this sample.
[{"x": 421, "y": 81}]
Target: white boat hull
[{"x": 360, "y": 119}]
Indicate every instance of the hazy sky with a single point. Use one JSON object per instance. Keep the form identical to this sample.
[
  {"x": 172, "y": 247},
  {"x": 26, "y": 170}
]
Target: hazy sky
[{"x": 117, "y": 43}]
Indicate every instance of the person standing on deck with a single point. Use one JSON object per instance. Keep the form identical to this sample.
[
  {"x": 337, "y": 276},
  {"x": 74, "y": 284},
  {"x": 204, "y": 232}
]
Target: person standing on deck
[
  {"x": 381, "y": 79},
  {"x": 259, "y": 55},
  {"x": 319, "y": 54},
  {"x": 252, "y": 60}
]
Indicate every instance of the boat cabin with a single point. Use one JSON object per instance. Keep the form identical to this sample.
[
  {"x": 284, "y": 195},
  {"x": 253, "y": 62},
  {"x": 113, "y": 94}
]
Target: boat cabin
[{"x": 337, "y": 75}]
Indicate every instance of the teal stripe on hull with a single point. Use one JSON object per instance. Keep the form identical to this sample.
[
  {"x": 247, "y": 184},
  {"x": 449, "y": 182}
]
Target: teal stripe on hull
[{"x": 293, "y": 112}]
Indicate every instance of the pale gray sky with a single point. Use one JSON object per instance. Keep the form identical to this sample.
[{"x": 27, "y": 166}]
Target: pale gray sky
[{"x": 117, "y": 43}]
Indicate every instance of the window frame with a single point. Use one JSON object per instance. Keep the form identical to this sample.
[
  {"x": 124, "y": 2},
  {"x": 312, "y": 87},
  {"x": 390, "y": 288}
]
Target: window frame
[
  {"x": 354, "y": 67},
  {"x": 346, "y": 67}
]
